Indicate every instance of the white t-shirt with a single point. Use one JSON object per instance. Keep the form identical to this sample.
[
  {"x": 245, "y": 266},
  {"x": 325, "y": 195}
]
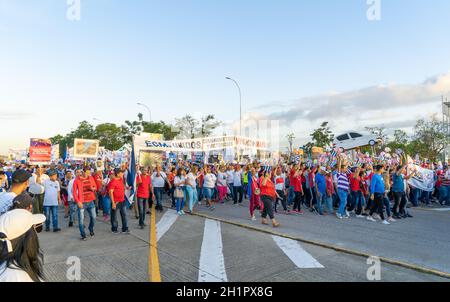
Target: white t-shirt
[
  {"x": 280, "y": 181},
  {"x": 51, "y": 192},
  {"x": 178, "y": 180},
  {"x": 70, "y": 190},
  {"x": 158, "y": 182},
  {"x": 210, "y": 181},
  {"x": 191, "y": 180},
  {"x": 13, "y": 274},
  {"x": 230, "y": 176},
  {"x": 6, "y": 201},
  {"x": 222, "y": 179},
  {"x": 36, "y": 188},
  {"x": 237, "y": 178}
]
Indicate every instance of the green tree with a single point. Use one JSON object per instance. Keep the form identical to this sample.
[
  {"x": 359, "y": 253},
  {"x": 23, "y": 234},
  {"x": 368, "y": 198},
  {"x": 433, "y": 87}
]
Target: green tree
[
  {"x": 110, "y": 136},
  {"x": 430, "y": 139},
  {"x": 322, "y": 136},
  {"x": 207, "y": 125},
  {"x": 401, "y": 141}
]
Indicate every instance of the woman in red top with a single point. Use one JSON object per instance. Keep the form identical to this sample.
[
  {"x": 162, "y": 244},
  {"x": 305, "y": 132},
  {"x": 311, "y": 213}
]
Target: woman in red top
[
  {"x": 254, "y": 196},
  {"x": 268, "y": 196},
  {"x": 298, "y": 190},
  {"x": 144, "y": 188}
]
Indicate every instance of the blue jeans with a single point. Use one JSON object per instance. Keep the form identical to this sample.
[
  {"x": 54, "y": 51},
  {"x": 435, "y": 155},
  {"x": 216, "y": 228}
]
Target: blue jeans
[
  {"x": 90, "y": 208},
  {"x": 415, "y": 196},
  {"x": 329, "y": 204},
  {"x": 291, "y": 195},
  {"x": 200, "y": 193},
  {"x": 357, "y": 201},
  {"x": 72, "y": 209},
  {"x": 342, "y": 201},
  {"x": 121, "y": 207},
  {"x": 230, "y": 186},
  {"x": 179, "y": 203},
  {"x": 208, "y": 192},
  {"x": 106, "y": 205},
  {"x": 321, "y": 200},
  {"x": 53, "y": 210},
  {"x": 387, "y": 205},
  {"x": 426, "y": 197},
  {"x": 158, "y": 195},
  {"x": 191, "y": 195}
]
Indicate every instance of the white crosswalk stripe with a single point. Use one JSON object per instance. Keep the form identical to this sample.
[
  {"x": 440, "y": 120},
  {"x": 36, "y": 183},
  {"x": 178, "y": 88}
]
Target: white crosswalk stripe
[
  {"x": 165, "y": 223},
  {"x": 296, "y": 253},
  {"x": 212, "y": 262}
]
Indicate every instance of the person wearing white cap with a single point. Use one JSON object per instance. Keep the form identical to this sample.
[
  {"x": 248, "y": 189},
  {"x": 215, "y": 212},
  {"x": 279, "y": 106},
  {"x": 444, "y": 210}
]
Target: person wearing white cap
[{"x": 20, "y": 255}]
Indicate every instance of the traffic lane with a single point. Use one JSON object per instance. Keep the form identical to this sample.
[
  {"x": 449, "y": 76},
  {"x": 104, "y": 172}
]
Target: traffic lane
[
  {"x": 419, "y": 240},
  {"x": 252, "y": 256}
]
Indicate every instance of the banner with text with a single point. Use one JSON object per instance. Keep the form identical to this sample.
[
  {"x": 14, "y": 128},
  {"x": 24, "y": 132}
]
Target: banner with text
[{"x": 40, "y": 151}]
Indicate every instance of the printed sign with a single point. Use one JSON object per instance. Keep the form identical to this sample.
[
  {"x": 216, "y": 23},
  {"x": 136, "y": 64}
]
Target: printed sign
[
  {"x": 85, "y": 148},
  {"x": 423, "y": 179},
  {"x": 40, "y": 151}
]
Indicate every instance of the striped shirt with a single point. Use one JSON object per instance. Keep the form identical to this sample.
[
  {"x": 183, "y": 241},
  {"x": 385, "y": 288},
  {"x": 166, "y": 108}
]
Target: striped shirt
[{"x": 342, "y": 182}]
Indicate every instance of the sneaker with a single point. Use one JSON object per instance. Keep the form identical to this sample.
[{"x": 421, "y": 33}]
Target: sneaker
[
  {"x": 212, "y": 208},
  {"x": 253, "y": 218},
  {"x": 141, "y": 227},
  {"x": 179, "y": 213},
  {"x": 115, "y": 232},
  {"x": 390, "y": 219},
  {"x": 56, "y": 230},
  {"x": 338, "y": 216},
  {"x": 409, "y": 216},
  {"x": 377, "y": 217},
  {"x": 83, "y": 239},
  {"x": 92, "y": 234},
  {"x": 182, "y": 212},
  {"x": 385, "y": 222},
  {"x": 370, "y": 218},
  {"x": 300, "y": 212},
  {"x": 70, "y": 224},
  {"x": 359, "y": 216},
  {"x": 346, "y": 217},
  {"x": 347, "y": 213},
  {"x": 127, "y": 232}
]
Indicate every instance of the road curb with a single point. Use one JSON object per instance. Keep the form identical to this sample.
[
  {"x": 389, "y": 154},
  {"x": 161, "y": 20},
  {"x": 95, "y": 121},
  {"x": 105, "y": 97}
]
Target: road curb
[{"x": 329, "y": 246}]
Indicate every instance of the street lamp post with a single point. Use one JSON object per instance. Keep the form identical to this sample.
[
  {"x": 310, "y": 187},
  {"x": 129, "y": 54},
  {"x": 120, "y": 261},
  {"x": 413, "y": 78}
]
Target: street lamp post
[
  {"x": 149, "y": 111},
  {"x": 240, "y": 104}
]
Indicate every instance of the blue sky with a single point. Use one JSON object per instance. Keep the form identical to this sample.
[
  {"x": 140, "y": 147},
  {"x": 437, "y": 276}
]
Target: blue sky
[{"x": 174, "y": 55}]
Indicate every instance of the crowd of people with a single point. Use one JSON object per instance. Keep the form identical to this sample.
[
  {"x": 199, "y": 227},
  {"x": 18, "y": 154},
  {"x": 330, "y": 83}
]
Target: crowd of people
[{"x": 378, "y": 192}]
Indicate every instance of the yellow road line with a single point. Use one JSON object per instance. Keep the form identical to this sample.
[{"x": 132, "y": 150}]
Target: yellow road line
[{"x": 154, "y": 274}]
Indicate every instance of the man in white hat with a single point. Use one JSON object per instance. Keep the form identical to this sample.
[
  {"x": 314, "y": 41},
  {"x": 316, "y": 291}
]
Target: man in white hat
[{"x": 20, "y": 257}]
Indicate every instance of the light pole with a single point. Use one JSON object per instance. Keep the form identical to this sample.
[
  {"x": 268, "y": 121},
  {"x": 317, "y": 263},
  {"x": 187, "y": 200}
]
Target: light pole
[
  {"x": 240, "y": 104},
  {"x": 149, "y": 111}
]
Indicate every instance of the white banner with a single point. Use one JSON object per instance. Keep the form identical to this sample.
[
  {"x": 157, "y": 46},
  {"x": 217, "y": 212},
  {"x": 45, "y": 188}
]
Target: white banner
[{"x": 423, "y": 179}]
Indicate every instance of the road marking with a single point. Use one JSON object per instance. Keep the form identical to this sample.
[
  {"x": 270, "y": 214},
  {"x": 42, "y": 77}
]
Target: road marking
[
  {"x": 295, "y": 252},
  {"x": 442, "y": 210},
  {"x": 212, "y": 262},
  {"x": 165, "y": 223},
  {"x": 154, "y": 273}
]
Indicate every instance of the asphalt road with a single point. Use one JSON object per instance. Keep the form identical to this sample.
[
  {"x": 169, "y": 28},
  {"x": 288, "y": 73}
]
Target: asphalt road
[{"x": 192, "y": 248}]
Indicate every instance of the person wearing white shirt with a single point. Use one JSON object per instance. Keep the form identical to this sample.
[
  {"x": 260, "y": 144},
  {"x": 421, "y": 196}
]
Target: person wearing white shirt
[
  {"x": 20, "y": 259},
  {"x": 237, "y": 185},
  {"x": 191, "y": 188},
  {"x": 52, "y": 199},
  {"x": 180, "y": 184},
  {"x": 222, "y": 184},
  {"x": 159, "y": 179},
  {"x": 37, "y": 189},
  {"x": 208, "y": 187},
  {"x": 230, "y": 179},
  {"x": 71, "y": 199}
]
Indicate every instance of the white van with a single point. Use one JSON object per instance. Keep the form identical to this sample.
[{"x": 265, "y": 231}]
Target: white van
[{"x": 353, "y": 139}]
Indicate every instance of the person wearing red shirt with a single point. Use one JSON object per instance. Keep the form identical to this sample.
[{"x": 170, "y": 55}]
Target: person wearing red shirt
[
  {"x": 98, "y": 178},
  {"x": 330, "y": 190},
  {"x": 84, "y": 189},
  {"x": 268, "y": 196},
  {"x": 255, "y": 193},
  {"x": 298, "y": 191},
  {"x": 144, "y": 188},
  {"x": 116, "y": 189}
]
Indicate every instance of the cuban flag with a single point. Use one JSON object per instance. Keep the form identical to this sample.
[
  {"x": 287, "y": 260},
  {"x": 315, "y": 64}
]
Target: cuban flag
[
  {"x": 333, "y": 153},
  {"x": 131, "y": 178}
]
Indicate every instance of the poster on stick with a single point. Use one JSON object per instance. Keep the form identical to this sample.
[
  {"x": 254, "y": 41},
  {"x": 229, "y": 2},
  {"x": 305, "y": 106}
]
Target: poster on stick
[
  {"x": 40, "y": 151},
  {"x": 85, "y": 148}
]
